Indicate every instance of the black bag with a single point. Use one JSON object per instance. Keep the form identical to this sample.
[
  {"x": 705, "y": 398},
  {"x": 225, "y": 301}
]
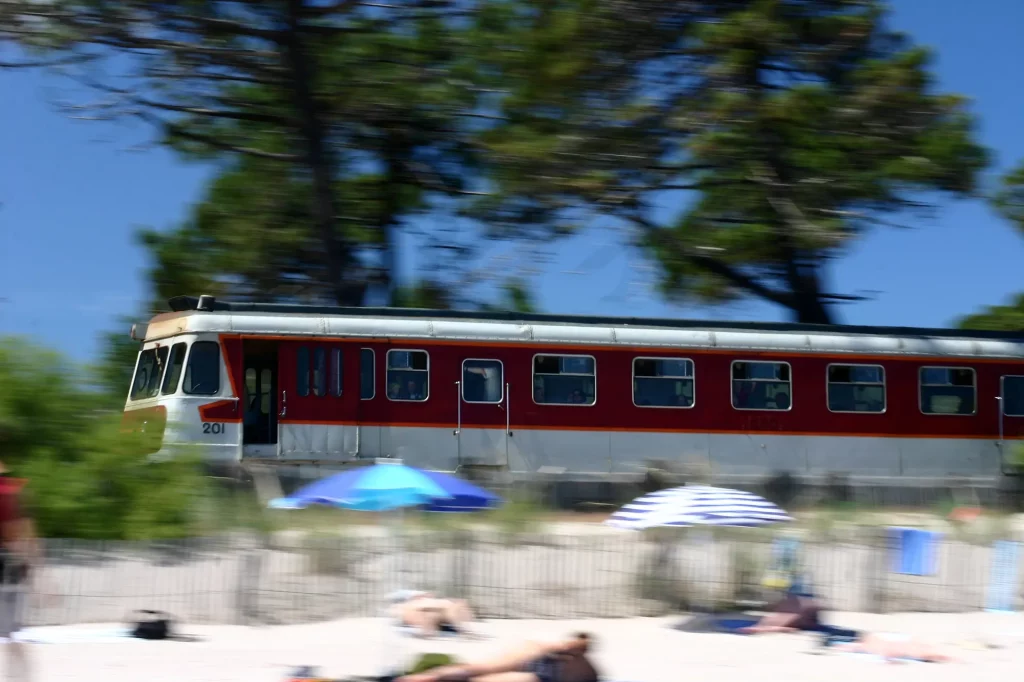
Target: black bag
[
  {"x": 152, "y": 625},
  {"x": 13, "y": 570}
]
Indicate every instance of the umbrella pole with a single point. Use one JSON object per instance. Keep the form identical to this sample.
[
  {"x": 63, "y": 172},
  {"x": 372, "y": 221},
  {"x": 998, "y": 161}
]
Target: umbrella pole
[
  {"x": 703, "y": 538},
  {"x": 392, "y": 655}
]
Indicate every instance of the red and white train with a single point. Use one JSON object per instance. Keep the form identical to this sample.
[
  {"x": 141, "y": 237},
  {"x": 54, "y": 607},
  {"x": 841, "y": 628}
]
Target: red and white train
[{"x": 593, "y": 398}]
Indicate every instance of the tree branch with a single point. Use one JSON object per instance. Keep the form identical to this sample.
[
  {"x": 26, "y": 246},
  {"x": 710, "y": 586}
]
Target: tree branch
[
  {"x": 157, "y": 73},
  {"x": 251, "y": 116},
  {"x": 713, "y": 265},
  {"x": 46, "y": 63},
  {"x": 177, "y": 130},
  {"x": 228, "y": 26}
]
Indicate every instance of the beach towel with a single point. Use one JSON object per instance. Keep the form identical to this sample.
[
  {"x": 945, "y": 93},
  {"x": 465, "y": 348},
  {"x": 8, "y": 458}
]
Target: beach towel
[
  {"x": 73, "y": 635},
  {"x": 444, "y": 631},
  {"x": 880, "y": 659},
  {"x": 731, "y": 622},
  {"x": 735, "y": 625},
  {"x": 914, "y": 551}
]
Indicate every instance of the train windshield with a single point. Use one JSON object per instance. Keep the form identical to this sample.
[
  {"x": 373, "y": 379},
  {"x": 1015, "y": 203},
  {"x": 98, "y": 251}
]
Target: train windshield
[
  {"x": 162, "y": 369},
  {"x": 148, "y": 372}
]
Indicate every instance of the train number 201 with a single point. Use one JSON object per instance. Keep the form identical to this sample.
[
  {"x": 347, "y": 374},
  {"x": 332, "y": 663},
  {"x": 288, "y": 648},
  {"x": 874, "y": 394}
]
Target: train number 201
[{"x": 213, "y": 427}]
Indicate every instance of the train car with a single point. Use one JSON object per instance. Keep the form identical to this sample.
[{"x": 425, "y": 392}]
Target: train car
[{"x": 590, "y": 399}]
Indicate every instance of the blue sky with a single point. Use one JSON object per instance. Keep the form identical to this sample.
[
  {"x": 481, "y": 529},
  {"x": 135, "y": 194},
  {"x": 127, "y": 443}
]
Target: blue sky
[{"x": 72, "y": 194}]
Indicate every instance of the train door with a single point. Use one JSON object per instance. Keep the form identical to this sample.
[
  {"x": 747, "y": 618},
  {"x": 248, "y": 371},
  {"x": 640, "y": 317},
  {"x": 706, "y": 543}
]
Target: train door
[
  {"x": 1011, "y": 420},
  {"x": 259, "y": 399},
  {"x": 483, "y": 427},
  {"x": 318, "y": 398}
]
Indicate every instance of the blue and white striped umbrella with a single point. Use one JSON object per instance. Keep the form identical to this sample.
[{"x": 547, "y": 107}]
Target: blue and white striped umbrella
[{"x": 697, "y": 505}]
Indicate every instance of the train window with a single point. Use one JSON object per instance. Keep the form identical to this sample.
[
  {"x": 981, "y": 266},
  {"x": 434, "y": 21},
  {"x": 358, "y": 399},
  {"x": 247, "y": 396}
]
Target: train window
[
  {"x": 856, "y": 388},
  {"x": 251, "y": 395},
  {"x": 483, "y": 381},
  {"x": 408, "y": 375},
  {"x": 662, "y": 382},
  {"x": 760, "y": 385},
  {"x": 266, "y": 377},
  {"x": 302, "y": 371},
  {"x": 319, "y": 371},
  {"x": 257, "y": 394},
  {"x": 336, "y": 369},
  {"x": 564, "y": 380},
  {"x": 202, "y": 373},
  {"x": 173, "y": 373},
  {"x": 367, "y": 374},
  {"x": 1013, "y": 396},
  {"x": 148, "y": 372},
  {"x": 947, "y": 390}
]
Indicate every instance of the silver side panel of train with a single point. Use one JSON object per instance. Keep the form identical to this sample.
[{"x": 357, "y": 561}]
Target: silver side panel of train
[{"x": 593, "y": 455}]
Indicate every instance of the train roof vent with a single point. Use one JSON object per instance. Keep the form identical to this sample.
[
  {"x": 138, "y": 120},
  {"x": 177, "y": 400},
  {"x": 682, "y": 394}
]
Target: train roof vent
[{"x": 181, "y": 304}]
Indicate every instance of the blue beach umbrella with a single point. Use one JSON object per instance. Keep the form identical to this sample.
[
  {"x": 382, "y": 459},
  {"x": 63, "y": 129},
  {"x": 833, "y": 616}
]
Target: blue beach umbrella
[
  {"x": 463, "y": 495},
  {"x": 386, "y": 486},
  {"x": 391, "y": 485}
]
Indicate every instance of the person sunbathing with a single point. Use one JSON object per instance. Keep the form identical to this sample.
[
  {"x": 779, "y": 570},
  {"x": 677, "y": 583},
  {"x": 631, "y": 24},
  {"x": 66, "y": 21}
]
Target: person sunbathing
[
  {"x": 893, "y": 647},
  {"x": 797, "y": 610},
  {"x": 560, "y": 661},
  {"x": 801, "y": 611},
  {"x": 430, "y": 615}
]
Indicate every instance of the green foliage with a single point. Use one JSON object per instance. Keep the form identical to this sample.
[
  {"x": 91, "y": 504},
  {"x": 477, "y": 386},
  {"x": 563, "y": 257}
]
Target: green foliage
[
  {"x": 785, "y": 129},
  {"x": 249, "y": 238},
  {"x": 1009, "y": 201},
  {"x": 332, "y": 127},
  {"x": 86, "y": 478},
  {"x": 111, "y": 377},
  {"x": 1017, "y": 456},
  {"x": 41, "y": 409},
  {"x": 515, "y": 297},
  {"x": 425, "y": 295},
  {"x": 520, "y": 515},
  {"x": 817, "y": 121},
  {"x": 110, "y": 492},
  {"x": 223, "y": 508},
  {"x": 1002, "y": 318}
]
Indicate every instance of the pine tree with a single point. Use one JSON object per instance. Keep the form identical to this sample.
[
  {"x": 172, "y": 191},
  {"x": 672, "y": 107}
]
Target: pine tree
[{"x": 779, "y": 130}]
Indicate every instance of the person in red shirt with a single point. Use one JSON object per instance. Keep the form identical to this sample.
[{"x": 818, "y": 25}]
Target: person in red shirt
[{"x": 19, "y": 559}]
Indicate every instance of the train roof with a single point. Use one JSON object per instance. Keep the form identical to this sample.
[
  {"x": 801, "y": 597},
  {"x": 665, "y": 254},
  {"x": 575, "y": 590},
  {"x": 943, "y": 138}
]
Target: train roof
[{"x": 206, "y": 314}]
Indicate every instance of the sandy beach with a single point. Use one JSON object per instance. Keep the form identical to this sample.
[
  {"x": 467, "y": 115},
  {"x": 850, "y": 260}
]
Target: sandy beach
[{"x": 628, "y": 650}]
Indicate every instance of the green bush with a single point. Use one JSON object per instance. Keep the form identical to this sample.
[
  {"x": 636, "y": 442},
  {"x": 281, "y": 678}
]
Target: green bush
[
  {"x": 1017, "y": 456},
  {"x": 520, "y": 515},
  {"x": 43, "y": 408},
  {"x": 87, "y": 479}
]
